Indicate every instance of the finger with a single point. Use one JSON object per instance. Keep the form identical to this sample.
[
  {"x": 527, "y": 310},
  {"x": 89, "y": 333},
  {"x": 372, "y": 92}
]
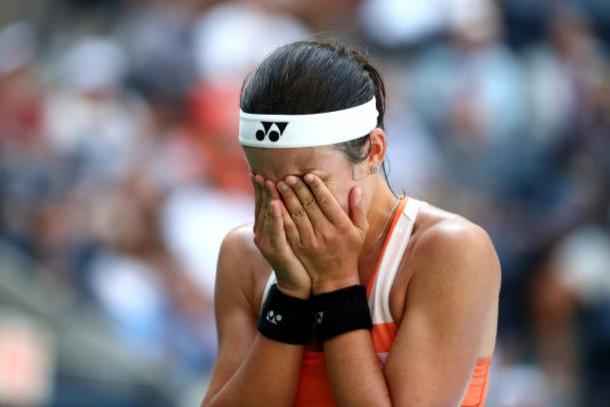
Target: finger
[
  {"x": 267, "y": 229},
  {"x": 290, "y": 228},
  {"x": 272, "y": 189},
  {"x": 326, "y": 200},
  {"x": 263, "y": 204},
  {"x": 357, "y": 213},
  {"x": 297, "y": 213},
  {"x": 257, "y": 199},
  {"x": 307, "y": 200},
  {"x": 274, "y": 196},
  {"x": 276, "y": 227}
]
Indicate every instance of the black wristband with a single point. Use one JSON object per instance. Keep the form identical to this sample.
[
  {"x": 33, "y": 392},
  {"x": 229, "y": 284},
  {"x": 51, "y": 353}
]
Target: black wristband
[
  {"x": 285, "y": 319},
  {"x": 341, "y": 311}
]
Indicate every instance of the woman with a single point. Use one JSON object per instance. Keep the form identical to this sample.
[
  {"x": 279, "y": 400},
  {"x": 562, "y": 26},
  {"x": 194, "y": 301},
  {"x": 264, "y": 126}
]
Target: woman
[{"x": 341, "y": 293}]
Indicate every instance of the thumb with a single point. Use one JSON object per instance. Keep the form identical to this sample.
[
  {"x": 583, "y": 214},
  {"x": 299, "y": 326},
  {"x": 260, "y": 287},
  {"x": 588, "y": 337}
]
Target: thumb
[{"x": 356, "y": 209}]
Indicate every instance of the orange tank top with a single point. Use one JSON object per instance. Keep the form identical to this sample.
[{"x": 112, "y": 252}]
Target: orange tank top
[{"x": 314, "y": 387}]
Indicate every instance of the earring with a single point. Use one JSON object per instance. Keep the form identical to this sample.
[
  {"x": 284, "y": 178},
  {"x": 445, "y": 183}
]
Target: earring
[{"x": 375, "y": 169}]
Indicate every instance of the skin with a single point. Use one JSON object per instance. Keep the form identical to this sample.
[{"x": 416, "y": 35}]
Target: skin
[{"x": 317, "y": 226}]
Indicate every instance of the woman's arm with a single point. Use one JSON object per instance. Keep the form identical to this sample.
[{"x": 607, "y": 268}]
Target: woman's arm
[
  {"x": 251, "y": 369},
  {"x": 452, "y": 299},
  {"x": 355, "y": 374}
]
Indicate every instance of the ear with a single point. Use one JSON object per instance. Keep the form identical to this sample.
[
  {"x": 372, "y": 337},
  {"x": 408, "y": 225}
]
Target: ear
[{"x": 378, "y": 147}]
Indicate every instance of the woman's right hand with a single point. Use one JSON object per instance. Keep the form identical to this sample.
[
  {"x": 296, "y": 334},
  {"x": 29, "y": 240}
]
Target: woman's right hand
[{"x": 271, "y": 241}]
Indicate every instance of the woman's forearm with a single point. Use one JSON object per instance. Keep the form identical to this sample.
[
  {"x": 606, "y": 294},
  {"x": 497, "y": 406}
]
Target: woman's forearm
[
  {"x": 355, "y": 373},
  {"x": 268, "y": 376}
]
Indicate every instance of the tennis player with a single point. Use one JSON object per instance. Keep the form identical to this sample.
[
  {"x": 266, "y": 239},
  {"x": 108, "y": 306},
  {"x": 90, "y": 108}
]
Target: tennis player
[{"x": 340, "y": 292}]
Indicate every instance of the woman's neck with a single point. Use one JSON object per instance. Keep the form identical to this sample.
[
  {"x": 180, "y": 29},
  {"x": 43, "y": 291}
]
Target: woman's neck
[{"x": 381, "y": 209}]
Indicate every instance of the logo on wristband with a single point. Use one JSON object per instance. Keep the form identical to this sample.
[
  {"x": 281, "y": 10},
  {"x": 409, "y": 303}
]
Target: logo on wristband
[
  {"x": 319, "y": 317},
  {"x": 273, "y": 317}
]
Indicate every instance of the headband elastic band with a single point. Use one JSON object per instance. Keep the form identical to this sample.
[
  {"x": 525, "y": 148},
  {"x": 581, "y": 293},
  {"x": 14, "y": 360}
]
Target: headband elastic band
[{"x": 307, "y": 130}]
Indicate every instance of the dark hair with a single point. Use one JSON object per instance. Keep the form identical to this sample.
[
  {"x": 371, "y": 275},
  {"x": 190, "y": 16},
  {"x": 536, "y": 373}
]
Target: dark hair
[{"x": 316, "y": 76}]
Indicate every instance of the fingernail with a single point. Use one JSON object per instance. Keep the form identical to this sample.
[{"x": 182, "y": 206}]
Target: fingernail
[
  {"x": 309, "y": 177},
  {"x": 291, "y": 180},
  {"x": 283, "y": 186}
]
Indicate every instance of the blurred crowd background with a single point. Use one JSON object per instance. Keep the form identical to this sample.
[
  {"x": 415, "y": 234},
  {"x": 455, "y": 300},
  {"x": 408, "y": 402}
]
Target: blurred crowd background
[{"x": 120, "y": 173}]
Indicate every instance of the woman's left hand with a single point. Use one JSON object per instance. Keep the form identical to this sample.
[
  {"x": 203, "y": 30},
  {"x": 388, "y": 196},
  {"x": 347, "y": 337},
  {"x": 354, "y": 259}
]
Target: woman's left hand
[{"x": 326, "y": 240}]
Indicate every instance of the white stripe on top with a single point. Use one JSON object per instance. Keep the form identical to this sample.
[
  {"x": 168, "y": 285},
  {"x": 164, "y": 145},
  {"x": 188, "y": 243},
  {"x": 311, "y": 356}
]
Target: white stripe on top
[{"x": 379, "y": 300}]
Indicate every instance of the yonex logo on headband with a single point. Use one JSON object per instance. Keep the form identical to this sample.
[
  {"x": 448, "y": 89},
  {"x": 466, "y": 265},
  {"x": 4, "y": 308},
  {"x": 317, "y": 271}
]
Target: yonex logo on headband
[
  {"x": 274, "y": 135},
  {"x": 307, "y": 130}
]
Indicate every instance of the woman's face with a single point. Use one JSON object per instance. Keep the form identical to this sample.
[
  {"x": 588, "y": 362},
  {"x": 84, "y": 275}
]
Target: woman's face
[{"x": 330, "y": 165}]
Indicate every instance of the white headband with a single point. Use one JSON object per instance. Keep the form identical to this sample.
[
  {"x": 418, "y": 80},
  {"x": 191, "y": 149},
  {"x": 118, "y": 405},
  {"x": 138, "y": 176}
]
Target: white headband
[{"x": 307, "y": 130}]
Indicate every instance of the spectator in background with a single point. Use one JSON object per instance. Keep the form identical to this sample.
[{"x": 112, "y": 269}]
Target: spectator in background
[
  {"x": 221, "y": 49},
  {"x": 158, "y": 40},
  {"x": 20, "y": 94},
  {"x": 92, "y": 119},
  {"x": 465, "y": 91},
  {"x": 570, "y": 304},
  {"x": 92, "y": 130},
  {"x": 194, "y": 215},
  {"x": 157, "y": 311},
  {"x": 563, "y": 78},
  {"x": 396, "y": 23},
  {"x": 20, "y": 126}
]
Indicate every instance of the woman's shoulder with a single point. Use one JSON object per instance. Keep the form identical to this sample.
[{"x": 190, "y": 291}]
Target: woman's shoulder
[
  {"x": 430, "y": 216},
  {"x": 240, "y": 263},
  {"x": 239, "y": 241},
  {"x": 436, "y": 226},
  {"x": 452, "y": 245}
]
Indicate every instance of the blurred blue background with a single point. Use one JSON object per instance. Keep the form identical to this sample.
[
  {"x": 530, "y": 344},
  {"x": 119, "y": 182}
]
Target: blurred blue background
[{"x": 120, "y": 173}]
